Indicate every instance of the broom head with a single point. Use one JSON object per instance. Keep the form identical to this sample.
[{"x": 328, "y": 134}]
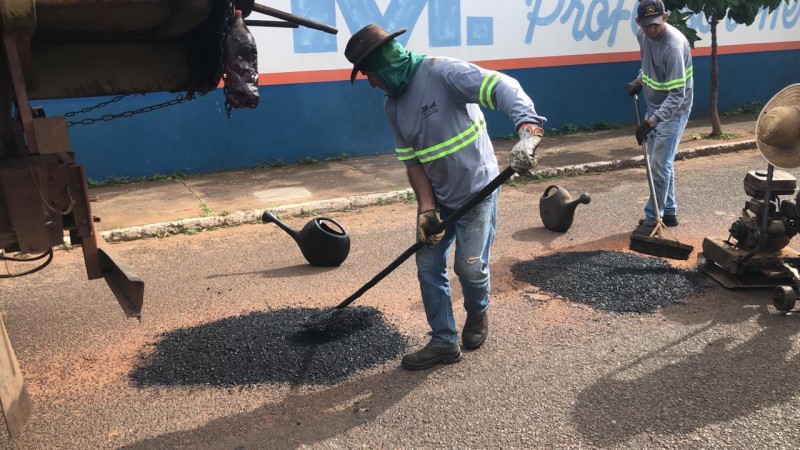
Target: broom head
[{"x": 656, "y": 246}]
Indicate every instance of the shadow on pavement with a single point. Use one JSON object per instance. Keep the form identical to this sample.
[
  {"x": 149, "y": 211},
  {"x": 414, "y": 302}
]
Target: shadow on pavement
[
  {"x": 735, "y": 360},
  {"x": 537, "y": 234},
  {"x": 299, "y": 270},
  {"x": 300, "y": 419}
]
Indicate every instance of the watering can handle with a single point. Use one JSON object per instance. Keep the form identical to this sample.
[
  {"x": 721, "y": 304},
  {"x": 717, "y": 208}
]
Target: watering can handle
[
  {"x": 474, "y": 200},
  {"x": 548, "y": 189}
]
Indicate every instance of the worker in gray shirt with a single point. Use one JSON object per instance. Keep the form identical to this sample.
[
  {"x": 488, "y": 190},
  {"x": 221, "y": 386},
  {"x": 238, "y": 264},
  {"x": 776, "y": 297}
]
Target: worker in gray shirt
[
  {"x": 666, "y": 81},
  {"x": 433, "y": 107}
]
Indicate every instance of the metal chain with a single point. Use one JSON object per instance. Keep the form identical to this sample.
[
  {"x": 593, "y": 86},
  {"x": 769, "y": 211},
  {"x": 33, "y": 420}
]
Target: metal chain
[
  {"x": 97, "y": 106},
  {"x": 226, "y": 26},
  {"x": 89, "y": 121}
]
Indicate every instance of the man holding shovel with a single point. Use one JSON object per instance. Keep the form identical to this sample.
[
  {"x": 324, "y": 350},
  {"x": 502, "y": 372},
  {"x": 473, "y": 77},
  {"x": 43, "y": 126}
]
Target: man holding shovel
[
  {"x": 433, "y": 109},
  {"x": 666, "y": 81}
]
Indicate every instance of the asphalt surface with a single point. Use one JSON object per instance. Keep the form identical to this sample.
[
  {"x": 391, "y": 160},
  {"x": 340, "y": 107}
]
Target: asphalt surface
[
  {"x": 714, "y": 371},
  {"x": 271, "y": 347},
  {"x": 611, "y": 281}
]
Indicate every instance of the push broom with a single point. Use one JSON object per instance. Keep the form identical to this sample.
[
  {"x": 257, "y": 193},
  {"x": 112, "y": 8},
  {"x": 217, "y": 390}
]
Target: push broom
[{"x": 655, "y": 244}]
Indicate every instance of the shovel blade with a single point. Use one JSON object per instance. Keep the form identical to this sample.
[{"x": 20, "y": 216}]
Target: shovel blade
[
  {"x": 320, "y": 319},
  {"x": 14, "y": 399}
]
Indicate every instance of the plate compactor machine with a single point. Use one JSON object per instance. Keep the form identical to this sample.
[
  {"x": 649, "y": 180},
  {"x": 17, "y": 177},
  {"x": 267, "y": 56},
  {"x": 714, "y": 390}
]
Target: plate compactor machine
[{"x": 757, "y": 252}]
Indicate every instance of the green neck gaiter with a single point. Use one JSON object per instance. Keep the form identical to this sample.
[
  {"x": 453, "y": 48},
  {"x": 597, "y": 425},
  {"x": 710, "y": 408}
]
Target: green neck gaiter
[{"x": 393, "y": 65}]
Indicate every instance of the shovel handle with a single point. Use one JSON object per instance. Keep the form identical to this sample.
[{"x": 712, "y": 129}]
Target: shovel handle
[{"x": 471, "y": 203}]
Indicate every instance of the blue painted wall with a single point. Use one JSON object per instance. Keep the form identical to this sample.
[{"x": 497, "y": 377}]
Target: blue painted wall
[{"x": 321, "y": 120}]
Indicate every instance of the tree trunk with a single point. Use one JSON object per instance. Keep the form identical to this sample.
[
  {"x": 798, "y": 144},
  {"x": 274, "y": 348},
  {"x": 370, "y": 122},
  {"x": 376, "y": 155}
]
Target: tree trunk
[{"x": 716, "y": 126}]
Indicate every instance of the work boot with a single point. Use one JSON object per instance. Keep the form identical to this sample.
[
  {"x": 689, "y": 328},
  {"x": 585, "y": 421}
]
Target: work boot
[
  {"x": 647, "y": 222},
  {"x": 670, "y": 220},
  {"x": 475, "y": 331},
  {"x": 430, "y": 355}
]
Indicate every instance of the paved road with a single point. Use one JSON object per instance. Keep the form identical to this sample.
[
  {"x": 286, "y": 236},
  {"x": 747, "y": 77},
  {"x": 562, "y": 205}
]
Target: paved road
[{"x": 715, "y": 372}]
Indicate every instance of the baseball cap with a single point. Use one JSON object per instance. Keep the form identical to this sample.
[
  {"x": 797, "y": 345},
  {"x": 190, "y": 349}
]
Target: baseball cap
[{"x": 651, "y": 12}]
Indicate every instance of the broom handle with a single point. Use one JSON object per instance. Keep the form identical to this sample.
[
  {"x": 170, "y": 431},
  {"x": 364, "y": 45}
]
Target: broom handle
[
  {"x": 471, "y": 203},
  {"x": 659, "y": 224}
]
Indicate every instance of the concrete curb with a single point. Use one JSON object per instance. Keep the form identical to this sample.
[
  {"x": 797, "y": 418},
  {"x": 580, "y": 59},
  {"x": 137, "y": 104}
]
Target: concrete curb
[
  {"x": 198, "y": 224},
  {"x": 638, "y": 161}
]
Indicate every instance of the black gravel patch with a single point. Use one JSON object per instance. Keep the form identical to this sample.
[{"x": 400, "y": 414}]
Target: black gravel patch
[
  {"x": 275, "y": 346},
  {"x": 611, "y": 281}
]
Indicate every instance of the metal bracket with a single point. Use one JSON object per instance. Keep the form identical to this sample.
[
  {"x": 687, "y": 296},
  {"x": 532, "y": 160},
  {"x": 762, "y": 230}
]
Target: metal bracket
[{"x": 14, "y": 399}]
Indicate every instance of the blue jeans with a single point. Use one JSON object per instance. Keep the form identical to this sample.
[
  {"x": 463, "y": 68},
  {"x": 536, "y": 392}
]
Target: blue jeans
[
  {"x": 662, "y": 146},
  {"x": 473, "y": 234}
]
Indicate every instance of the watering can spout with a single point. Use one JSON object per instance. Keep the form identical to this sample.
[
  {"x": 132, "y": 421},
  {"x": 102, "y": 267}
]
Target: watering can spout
[
  {"x": 557, "y": 208},
  {"x": 268, "y": 217},
  {"x": 583, "y": 199}
]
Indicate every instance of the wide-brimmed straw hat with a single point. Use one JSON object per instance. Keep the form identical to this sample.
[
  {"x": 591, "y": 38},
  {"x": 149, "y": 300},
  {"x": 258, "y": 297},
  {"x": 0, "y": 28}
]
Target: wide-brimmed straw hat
[
  {"x": 778, "y": 128},
  {"x": 364, "y": 42}
]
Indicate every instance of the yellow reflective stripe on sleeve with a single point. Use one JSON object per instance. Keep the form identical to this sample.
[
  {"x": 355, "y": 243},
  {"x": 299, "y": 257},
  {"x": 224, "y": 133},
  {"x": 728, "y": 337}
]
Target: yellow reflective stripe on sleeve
[
  {"x": 485, "y": 94},
  {"x": 453, "y": 144},
  {"x": 404, "y": 154},
  {"x": 667, "y": 85}
]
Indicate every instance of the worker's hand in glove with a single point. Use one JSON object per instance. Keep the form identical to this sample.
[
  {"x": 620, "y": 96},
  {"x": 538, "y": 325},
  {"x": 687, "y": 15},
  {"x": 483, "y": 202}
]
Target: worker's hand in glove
[
  {"x": 643, "y": 130},
  {"x": 634, "y": 87},
  {"x": 523, "y": 155},
  {"x": 427, "y": 222}
]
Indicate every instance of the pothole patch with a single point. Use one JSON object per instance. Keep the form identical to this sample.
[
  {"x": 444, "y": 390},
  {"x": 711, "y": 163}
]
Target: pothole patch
[
  {"x": 611, "y": 281},
  {"x": 271, "y": 347}
]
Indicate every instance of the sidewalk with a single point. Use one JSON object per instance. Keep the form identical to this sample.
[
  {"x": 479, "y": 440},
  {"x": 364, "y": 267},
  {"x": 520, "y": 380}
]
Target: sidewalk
[{"x": 171, "y": 206}]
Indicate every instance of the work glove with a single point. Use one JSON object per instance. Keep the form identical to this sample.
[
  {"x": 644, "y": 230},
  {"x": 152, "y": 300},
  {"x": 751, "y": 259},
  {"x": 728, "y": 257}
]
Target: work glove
[
  {"x": 427, "y": 222},
  {"x": 643, "y": 130},
  {"x": 523, "y": 155},
  {"x": 634, "y": 87}
]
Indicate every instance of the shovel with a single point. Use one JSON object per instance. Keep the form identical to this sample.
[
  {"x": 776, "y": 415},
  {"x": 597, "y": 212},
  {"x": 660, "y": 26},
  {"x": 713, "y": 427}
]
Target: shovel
[{"x": 318, "y": 320}]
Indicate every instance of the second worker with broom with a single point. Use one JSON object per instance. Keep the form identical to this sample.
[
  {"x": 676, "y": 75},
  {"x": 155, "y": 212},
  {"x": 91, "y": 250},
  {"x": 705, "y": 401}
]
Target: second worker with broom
[
  {"x": 433, "y": 109},
  {"x": 667, "y": 84}
]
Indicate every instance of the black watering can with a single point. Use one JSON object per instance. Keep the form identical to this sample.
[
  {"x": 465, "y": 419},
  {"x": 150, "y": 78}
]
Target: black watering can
[
  {"x": 557, "y": 208},
  {"x": 323, "y": 241}
]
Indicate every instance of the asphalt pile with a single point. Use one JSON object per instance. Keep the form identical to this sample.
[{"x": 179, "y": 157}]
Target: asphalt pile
[
  {"x": 611, "y": 281},
  {"x": 271, "y": 347}
]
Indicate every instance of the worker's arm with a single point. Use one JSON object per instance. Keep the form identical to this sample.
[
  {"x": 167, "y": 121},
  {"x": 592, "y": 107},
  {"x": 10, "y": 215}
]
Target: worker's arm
[
  {"x": 428, "y": 220},
  {"x": 422, "y": 187},
  {"x": 471, "y": 83}
]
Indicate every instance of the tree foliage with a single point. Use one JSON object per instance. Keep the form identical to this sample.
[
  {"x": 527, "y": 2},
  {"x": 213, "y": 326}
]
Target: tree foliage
[{"x": 743, "y": 12}]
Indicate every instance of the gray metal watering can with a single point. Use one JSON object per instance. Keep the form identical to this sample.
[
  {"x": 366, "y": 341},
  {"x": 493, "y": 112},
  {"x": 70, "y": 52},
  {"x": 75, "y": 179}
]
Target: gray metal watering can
[
  {"x": 323, "y": 241},
  {"x": 557, "y": 208}
]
